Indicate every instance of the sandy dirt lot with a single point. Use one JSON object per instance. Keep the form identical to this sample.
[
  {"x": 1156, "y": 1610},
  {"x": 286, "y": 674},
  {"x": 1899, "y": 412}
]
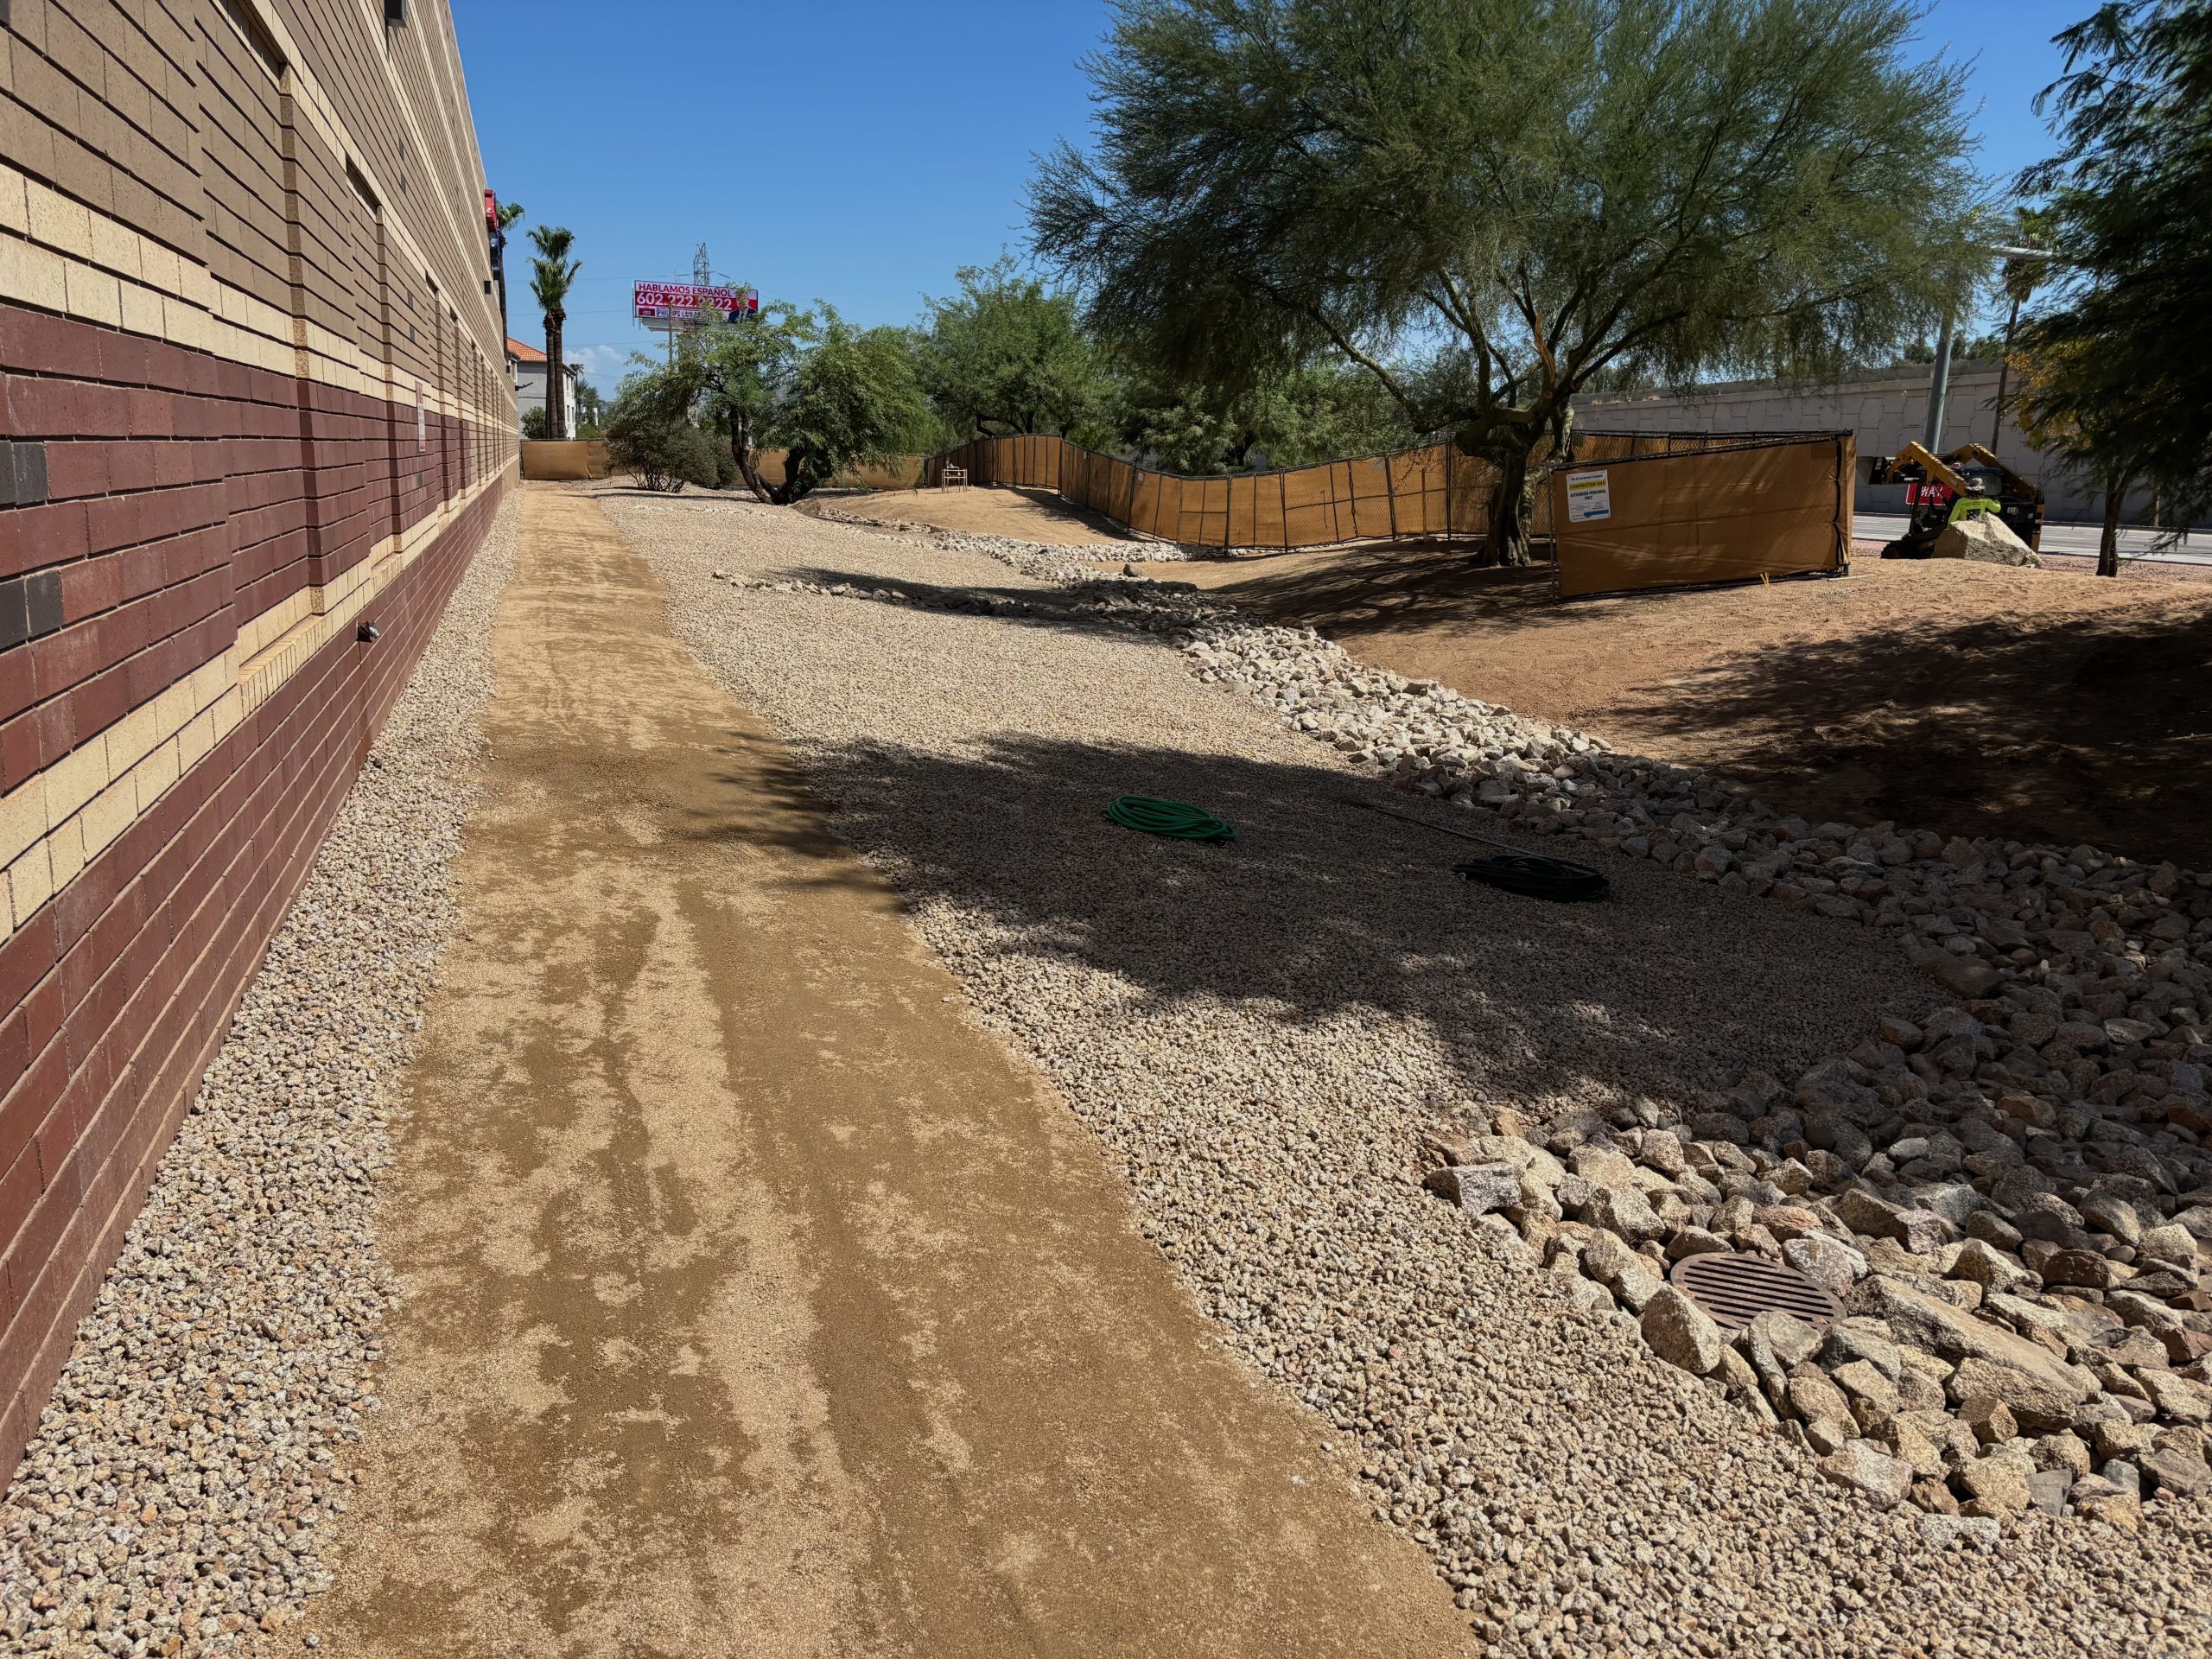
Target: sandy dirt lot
[
  {"x": 1029, "y": 515},
  {"x": 2043, "y": 705}
]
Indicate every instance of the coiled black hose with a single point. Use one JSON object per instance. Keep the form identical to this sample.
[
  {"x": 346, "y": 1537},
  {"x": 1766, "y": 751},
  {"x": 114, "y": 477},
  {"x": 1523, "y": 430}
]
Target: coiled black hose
[
  {"x": 1529, "y": 874},
  {"x": 1535, "y": 875}
]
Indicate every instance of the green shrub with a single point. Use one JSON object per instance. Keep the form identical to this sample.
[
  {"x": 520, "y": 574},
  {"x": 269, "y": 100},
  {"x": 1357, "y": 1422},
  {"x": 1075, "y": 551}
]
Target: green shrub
[{"x": 663, "y": 453}]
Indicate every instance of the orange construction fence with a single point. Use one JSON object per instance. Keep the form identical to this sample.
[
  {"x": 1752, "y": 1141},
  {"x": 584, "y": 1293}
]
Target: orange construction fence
[
  {"x": 564, "y": 458},
  {"x": 1425, "y": 494},
  {"x": 1717, "y": 507},
  {"x": 1726, "y": 510}
]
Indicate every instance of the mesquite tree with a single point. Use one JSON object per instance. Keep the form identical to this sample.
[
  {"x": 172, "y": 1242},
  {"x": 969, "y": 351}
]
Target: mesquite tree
[
  {"x": 1485, "y": 204},
  {"x": 1006, "y": 355},
  {"x": 831, "y": 395}
]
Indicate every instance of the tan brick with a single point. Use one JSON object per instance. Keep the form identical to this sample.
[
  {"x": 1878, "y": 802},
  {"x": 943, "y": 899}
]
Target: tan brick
[
  {"x": 141, "y": 310},
  {"x": 22, "y": 818},
  {"x": 66, "y": 847},
  {"x": 30, "y": 882},
  {"x": 197, "y": 738},
  {"x": 94, "y": 295},
  {"x": 107, "y": 815},
  {"x": 74, "y": 780},
  {"x": 133, "y": 737},
  {"x": 115, "y": 247},
  {"x": 15, "y": 205},
  {"x": 32, "y": 275},
  {"x": 154, "y": 774}
]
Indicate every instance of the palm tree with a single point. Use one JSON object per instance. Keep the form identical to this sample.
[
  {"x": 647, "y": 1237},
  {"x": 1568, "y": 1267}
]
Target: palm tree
[{"x": 552, "y": 274}]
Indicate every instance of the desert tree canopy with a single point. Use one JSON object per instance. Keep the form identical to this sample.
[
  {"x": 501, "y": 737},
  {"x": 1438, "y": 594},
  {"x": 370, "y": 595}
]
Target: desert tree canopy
[
  {"x": 2118, "y": 376},
  {"x": 1007, "y": 354},
  {"x": 833, "y": 396},
  {"x": 1485, "y": 204}
]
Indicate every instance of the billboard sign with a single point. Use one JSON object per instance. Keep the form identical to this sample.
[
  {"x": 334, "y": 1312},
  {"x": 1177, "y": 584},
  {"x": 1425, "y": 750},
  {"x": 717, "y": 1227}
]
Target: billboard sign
[{"x": 678, "y": 302}]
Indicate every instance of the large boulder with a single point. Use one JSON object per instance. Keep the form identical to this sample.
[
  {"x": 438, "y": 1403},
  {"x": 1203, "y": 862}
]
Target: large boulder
[
  {"x": 1986, "y": 540},
  {"x": 1630, "y": 1276},
  {"x": 1999, "y": 1483},
  {"x": 1681, "y": 1332},
  {"x": 1477, "y": 1188},
  {"x": 1869, "y": 1471},
  {"x": 1828, "y": 1261},
  {"x": 1626, "y": 1212},
  {"x": 1956, "y": 1335},
  {"x": 1523, "y": 1155}
]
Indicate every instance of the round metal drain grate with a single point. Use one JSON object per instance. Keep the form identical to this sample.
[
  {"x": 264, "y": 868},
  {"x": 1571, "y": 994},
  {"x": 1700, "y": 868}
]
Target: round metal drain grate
[{"x": 1735, "y": 1289}]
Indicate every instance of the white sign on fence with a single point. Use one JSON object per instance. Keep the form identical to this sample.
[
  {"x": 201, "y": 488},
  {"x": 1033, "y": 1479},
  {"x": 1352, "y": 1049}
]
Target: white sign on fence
[{"x": 1588, "y": 496}]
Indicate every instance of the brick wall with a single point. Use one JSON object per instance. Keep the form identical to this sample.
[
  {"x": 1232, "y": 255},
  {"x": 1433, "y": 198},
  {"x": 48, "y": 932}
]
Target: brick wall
[{"x": 252, "y": 396}]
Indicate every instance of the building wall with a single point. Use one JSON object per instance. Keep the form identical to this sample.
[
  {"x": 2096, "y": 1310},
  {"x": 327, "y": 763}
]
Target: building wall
[
  {"x": 1886, "y": 409},
  {"x": 252, "y": 396},
  {"x": 529, "y": 391}
]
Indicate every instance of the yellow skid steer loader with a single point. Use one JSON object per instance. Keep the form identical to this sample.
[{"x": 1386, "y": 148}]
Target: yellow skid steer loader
[{"x": 1941, "y": 488}]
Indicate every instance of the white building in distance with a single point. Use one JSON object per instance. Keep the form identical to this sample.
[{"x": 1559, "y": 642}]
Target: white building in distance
[{"x": 527, "y": 364}]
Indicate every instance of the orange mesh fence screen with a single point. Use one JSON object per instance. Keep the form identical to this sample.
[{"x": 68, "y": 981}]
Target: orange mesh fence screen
[
  {"x": 1769, "y": 507},
  {"x": 1426, "y": 493}
]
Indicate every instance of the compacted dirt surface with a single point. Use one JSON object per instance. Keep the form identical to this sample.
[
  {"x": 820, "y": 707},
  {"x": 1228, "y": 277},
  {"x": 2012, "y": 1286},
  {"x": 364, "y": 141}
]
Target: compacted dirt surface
[
  {"x": 2039, "y": 705},
  {"x": 758, "y": 1302},
  {"x": 1033, "y": 515}
]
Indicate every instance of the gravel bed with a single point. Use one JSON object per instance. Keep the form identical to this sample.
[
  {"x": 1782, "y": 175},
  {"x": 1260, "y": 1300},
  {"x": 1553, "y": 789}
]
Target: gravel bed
[
  {"x": 196, "y": 1446},
  {"x": 1262, "y": 1037},
  {"x": 2012, "y": 1197}
]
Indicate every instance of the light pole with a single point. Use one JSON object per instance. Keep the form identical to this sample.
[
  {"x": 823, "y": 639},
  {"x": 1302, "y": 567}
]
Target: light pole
[
  {"x": 1939, "y": 389},
  {"x": 1939, "y": 383},
  {"x": 2020, "y": 292}
]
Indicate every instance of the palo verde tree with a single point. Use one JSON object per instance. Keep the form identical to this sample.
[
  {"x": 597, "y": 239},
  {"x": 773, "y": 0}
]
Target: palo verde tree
[
  {"x": 1317, "y": 411},
  {"x": 2119, "y": 371},
  {"x": 1528, "y": 192},
  {"x": 1006, "y": 355},
  {"x": 831, "y": 395},
  {"x": 552, "y": 274}
]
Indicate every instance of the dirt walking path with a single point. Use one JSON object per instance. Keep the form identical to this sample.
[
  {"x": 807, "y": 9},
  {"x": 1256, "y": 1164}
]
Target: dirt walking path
[{"x": 757, "y": 1303}]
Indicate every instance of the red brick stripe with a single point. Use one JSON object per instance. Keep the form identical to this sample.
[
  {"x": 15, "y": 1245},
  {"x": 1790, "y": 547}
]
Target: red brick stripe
[{"x": 186, "y": 496}]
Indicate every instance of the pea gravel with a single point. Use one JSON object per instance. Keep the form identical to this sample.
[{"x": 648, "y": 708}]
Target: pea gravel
[
  {"x": 1258, "y": 1034},
  {"x": 195, "y": 1449}
]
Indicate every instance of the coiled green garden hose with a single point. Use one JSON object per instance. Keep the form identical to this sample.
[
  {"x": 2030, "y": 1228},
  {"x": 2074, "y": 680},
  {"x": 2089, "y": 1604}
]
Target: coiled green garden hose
[{"x": 1176, "y": 819}]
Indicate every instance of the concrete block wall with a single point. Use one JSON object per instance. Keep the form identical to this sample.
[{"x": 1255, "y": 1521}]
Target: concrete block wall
[
  {"x": 251, "y": 397},
  {"x": 1885, "y": 408}
]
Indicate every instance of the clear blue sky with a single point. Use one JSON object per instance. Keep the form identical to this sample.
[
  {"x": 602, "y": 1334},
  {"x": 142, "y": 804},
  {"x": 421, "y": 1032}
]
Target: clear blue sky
[{"x": 861, "y": 151}]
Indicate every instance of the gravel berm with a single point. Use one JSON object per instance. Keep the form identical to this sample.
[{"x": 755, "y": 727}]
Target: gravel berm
[
  {"x": 197, "y": 1446},
  {"x": 1258, "y": 1031}
]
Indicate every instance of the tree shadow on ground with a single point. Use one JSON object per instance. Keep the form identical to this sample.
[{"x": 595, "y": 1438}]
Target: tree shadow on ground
[
  {"x": 848, "y": 507},
  {"x": 2094, "y": 727},
  {"x": 2047, "y": 727},
  {"x": 1322, "y": 911},
  {"x": 1400, "y": 587},
  {"x": 1073, "y": 609}
]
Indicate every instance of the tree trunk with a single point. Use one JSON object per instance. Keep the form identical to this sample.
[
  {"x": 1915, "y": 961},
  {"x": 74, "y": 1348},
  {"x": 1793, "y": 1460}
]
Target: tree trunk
[
  {"x": 800, "y": 477},
  {"x": 555, "y": 427},
  {"x": 741, "y": 451},
  {"x": 2108, "y": 544},
  {"x": 1512, "y": 502}
]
